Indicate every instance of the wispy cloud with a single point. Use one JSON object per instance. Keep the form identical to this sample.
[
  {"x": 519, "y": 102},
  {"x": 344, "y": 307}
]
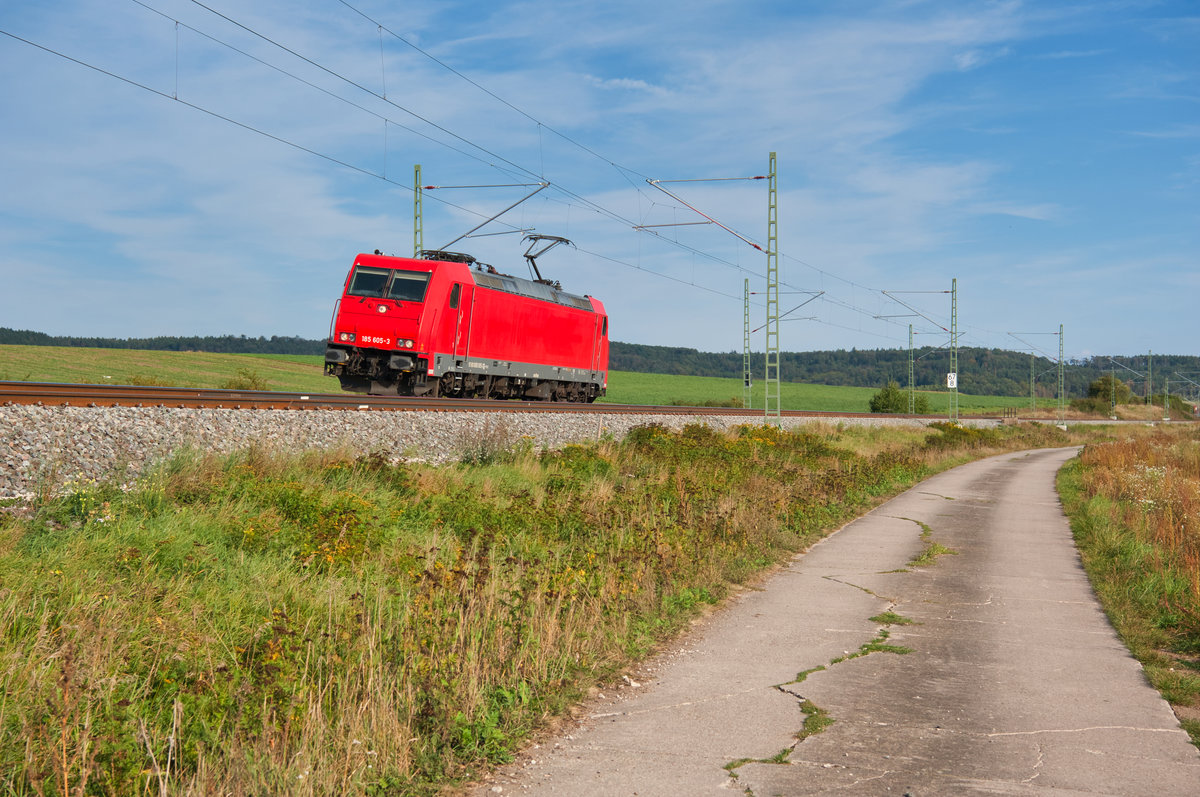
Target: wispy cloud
[
  {"x": 1038, "y": 212},
  {"x": 1068, "y": 54},
  {"x": 627, "y": 84},
  {"x": 973, "y": 59},
  {"x": 1182, "y": 131}
]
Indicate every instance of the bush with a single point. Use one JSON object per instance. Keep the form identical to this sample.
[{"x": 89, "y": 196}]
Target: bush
[
  {"x": 892, "y": 399},
  {"x": 732, "y": 402},
  {"x": 1181, "y": 406},
  {"x": 1108, "y": 386},
  {"x": 143, "y": 380},
  {"x": 948, "y": 436},
  {"x": 245, "y": 379},
  {"x": 1094, "y": 405}
]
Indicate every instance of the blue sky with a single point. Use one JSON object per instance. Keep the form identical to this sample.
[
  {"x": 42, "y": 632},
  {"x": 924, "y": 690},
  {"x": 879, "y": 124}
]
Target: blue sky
[{"x": 1046, "y": 155}]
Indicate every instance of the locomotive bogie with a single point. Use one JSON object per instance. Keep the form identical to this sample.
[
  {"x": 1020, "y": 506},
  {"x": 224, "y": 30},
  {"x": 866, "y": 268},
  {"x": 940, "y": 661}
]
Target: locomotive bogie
[{"x": 442, "y": 328}]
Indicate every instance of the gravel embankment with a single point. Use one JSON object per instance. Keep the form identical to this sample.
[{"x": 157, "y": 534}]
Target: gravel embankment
[{"x": 43, "y": 447}]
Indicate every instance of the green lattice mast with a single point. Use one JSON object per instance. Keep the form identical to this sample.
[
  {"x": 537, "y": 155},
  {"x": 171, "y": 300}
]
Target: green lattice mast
[
  {"x": 747, "y": 398},
  {"x": 771, "y": 403},
  {"x": 953, "y": 379},
  {"x": 418, "y": 231}
]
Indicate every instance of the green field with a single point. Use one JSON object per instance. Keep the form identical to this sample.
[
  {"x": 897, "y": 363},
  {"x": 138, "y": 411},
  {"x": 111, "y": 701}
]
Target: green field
[
  {"x": 633, "y": 388},
  {"x": 177, "y": 368},
  {"x": 288, "y": 372}
]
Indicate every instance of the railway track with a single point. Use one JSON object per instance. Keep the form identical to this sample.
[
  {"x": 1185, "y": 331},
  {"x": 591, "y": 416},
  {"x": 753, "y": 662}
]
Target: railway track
[{"x": 55, "y": 394}]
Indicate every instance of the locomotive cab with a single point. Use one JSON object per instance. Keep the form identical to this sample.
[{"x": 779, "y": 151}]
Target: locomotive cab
[
  {"x": 445, "y": 326},
  {"x": 373, "y": 340}
]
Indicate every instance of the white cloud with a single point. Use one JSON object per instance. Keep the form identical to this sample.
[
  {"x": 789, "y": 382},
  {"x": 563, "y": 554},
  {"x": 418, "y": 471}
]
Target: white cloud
[
  {"x": 1068, "y": 54},
  {"x": 1177, "y": 131},
  {"x": 903, "y": 132},
  {"x": 1039, "y": 212},
  {"x": 628, "y": 84}
]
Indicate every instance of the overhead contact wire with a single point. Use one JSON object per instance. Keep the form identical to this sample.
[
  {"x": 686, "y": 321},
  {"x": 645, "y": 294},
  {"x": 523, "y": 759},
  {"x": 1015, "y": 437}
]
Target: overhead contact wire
[
  {"x": 308, "y": 83},
  {"x": 612, "y": 215},
  {"x": 363, "y": 88}
]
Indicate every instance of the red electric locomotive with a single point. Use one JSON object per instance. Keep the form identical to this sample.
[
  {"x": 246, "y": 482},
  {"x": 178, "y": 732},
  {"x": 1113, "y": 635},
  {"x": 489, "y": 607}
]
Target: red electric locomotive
[{"x": 445, "y": 325}]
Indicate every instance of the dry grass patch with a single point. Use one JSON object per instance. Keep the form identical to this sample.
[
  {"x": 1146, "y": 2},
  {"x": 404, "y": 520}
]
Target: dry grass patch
[{"x": 1135, "y": 510}]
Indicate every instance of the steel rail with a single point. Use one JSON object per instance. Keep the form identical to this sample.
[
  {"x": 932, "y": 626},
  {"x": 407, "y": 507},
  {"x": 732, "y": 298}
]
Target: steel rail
[{"x": 73, "y": 395}]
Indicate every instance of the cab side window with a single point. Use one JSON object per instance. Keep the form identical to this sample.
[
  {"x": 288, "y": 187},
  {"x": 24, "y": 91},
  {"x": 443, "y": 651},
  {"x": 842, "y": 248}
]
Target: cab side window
[{"x": 455, "y": 293}]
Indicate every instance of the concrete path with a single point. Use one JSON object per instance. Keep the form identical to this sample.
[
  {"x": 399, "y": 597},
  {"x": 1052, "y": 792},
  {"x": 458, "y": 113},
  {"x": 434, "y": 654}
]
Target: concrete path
[{"x": 1015, "y": 683}]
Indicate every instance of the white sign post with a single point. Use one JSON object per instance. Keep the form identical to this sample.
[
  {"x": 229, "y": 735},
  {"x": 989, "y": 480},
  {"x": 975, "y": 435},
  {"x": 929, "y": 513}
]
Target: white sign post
[{"x": 952, "y": 381}]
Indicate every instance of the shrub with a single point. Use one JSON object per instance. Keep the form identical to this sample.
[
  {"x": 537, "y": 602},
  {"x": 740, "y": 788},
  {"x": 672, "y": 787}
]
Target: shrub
[
  {"x": 732, "y": 402},
  {"x": 142, "y": 380},
  {"x": 949, "y": 436},
  {"x": 1095, "y": 405},
  {"x": 892, "y": 399},
  {"x": 1106, "y": 387},
  {"x": 486, "y": 443},
  {"x": 245, "y": 379}
]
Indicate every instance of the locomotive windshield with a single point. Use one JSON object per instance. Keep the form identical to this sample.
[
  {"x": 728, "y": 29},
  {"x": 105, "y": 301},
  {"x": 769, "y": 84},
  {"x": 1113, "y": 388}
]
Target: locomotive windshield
[
  {"x": 378, "y": 283},
  {"x": 368, "y": 282},
  {"x": 408, "y": 286}
]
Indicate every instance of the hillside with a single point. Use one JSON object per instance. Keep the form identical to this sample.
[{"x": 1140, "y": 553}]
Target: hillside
[
  {"x": 223, "y": 344},
  {"x": 996, "y": 372}
]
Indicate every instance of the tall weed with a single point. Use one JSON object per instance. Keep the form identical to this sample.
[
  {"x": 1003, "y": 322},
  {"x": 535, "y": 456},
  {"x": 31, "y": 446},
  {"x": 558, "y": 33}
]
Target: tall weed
[
  {"x": 1135, "y": 509},
  {"x": 334, "y": 623}
]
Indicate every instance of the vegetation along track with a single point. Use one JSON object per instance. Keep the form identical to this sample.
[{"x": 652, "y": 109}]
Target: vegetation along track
[{"x": 54, "y": 394}]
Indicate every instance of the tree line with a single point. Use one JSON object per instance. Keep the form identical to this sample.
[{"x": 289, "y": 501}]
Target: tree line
[
  {"x": 981, "y": 371},
  {"x": 220, "y": 344}
]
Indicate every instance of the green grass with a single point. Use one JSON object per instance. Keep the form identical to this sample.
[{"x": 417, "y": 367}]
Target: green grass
[
  {"x": 876, "y": 645},
  {"x": 932, "y": 550},
  {"x": 930, "y": 554},
  {"x": 634, "y": 388},
  {"x": 891, "y": 618},
  {"x": 625, "y": 387},
  {"x": 71, "y": 365},
  {"x": 816, "y": 720},
  {"x": 295, "y": 372}
]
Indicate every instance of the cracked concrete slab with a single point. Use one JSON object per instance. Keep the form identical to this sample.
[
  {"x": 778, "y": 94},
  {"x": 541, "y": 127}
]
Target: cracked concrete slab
[{"x": 1015, "y": 683}]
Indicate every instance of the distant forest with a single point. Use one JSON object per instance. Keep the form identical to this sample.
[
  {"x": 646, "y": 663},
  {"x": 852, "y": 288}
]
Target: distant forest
[
  {"x": 989, "y": 372},
  {"x": 223, "y": 344},
  {"x": 996, "y": 372}
]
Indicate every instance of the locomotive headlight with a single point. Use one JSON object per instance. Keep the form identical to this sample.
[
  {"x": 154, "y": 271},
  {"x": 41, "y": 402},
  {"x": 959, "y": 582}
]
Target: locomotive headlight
[
  {"x": 346, "y": 337},
  {"x": 408, "y": 344},
  {"x": 382, "y": 308}
]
